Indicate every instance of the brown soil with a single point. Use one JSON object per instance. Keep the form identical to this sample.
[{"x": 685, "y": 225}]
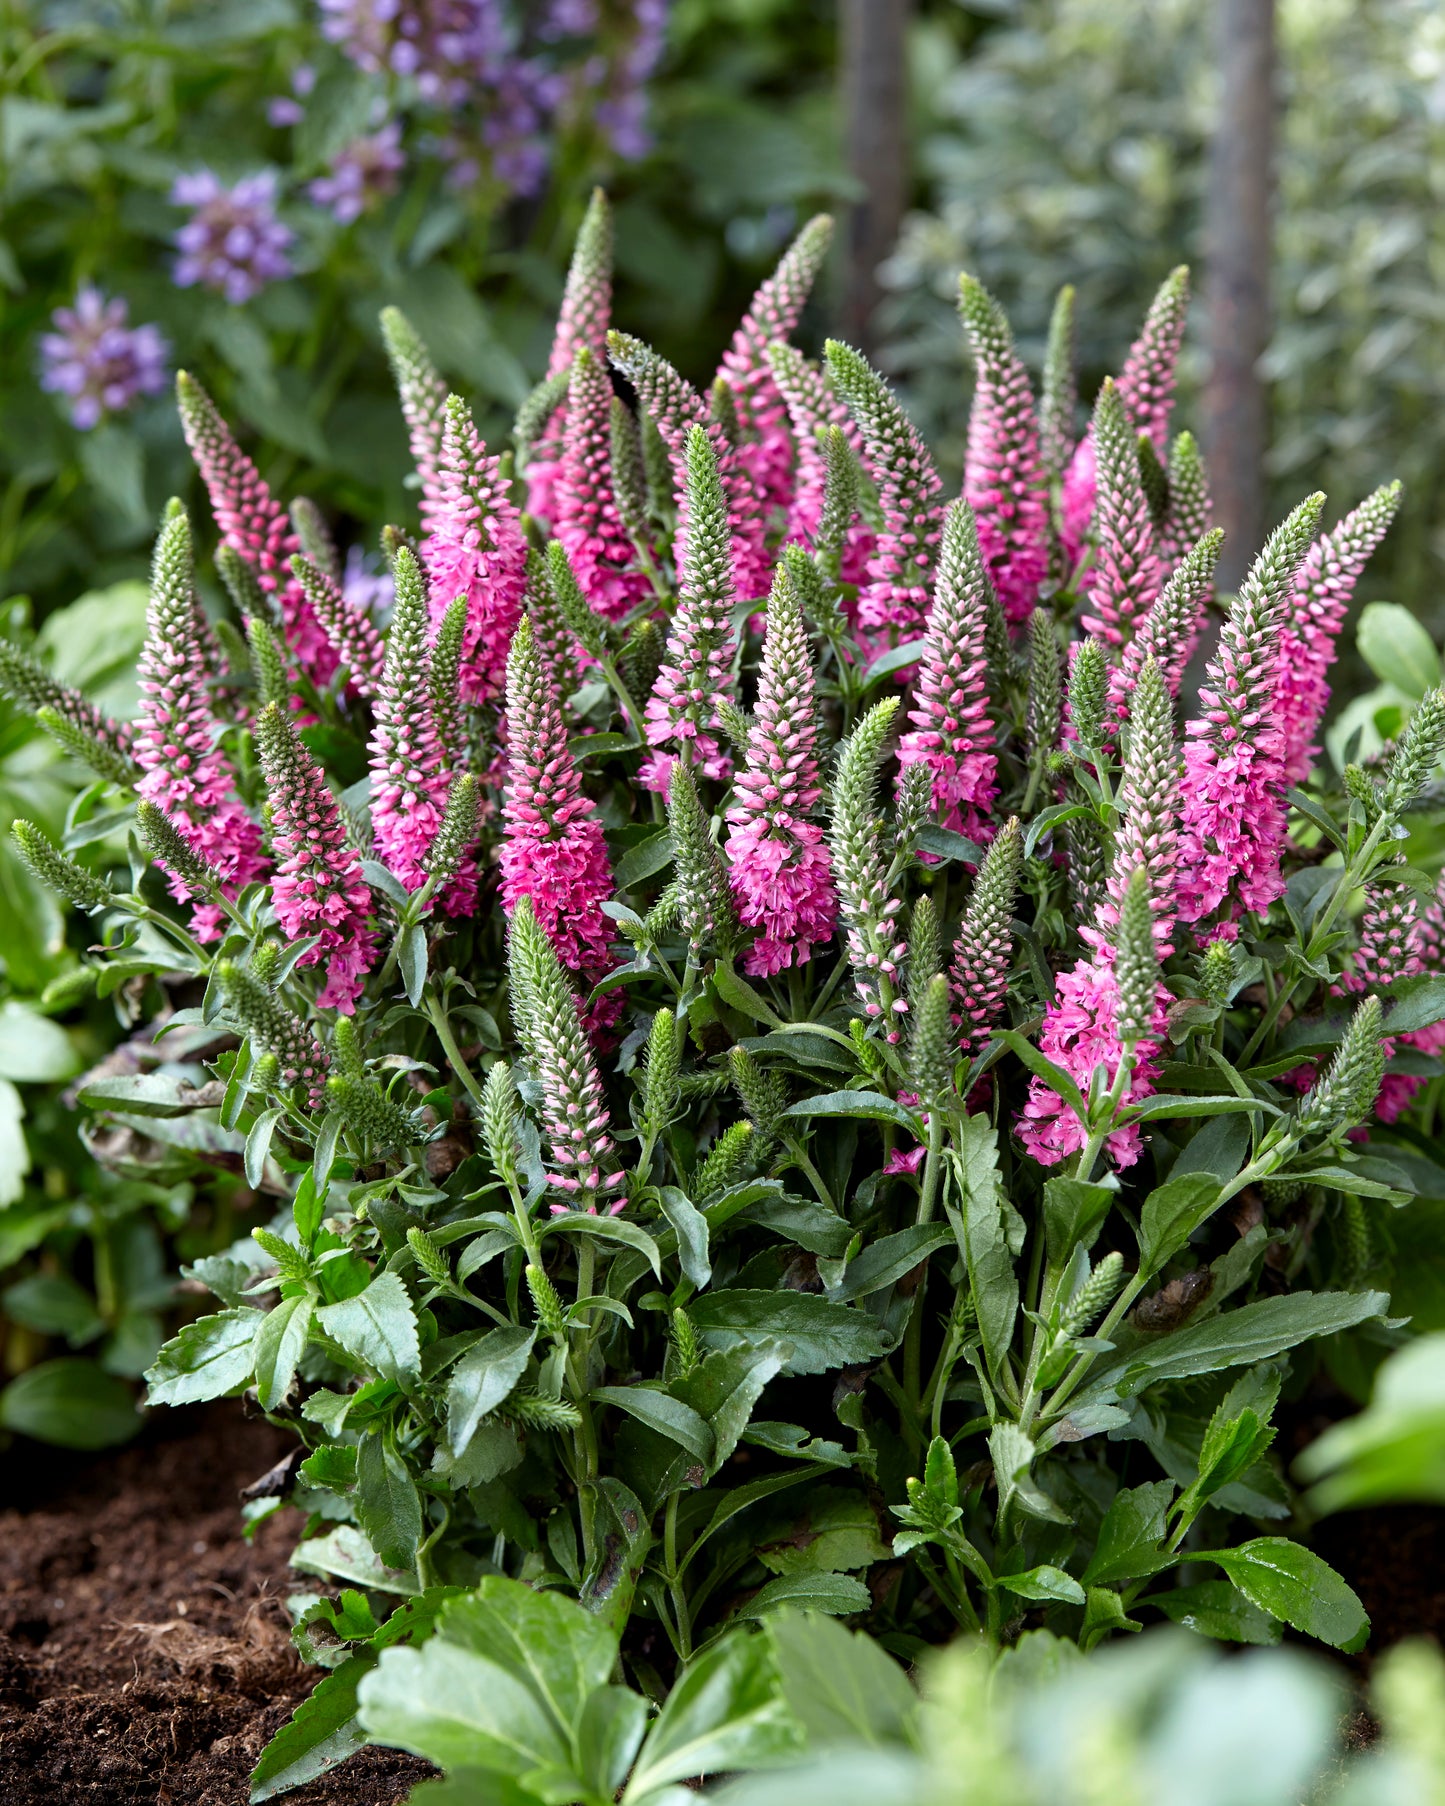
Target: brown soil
[{"x": 144, "y": 1652}]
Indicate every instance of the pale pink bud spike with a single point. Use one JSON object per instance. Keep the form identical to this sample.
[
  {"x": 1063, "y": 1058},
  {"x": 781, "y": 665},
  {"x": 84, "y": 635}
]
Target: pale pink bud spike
[
  {"x": 583, "y": 321},
  {"x": 588, "y": 524},
  {"x": 1127, "y": 573},
  {"x": 779, "y": 865}
]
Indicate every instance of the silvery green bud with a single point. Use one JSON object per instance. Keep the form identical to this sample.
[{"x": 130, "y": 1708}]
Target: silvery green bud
[
  {"x": 545, "y": 1302},
  {"x": 501, "y": 1113},
  {"x": 933, "y": 1047},
  {"x": 729, "y": 1159},
  {"x": 1045, "y": 710},
  {"x": 268, "y": 663},
  {"x": 457, "y": 831},
  {"x": 1095, "y": 1295},
  {"x": 534, "y": 1412},
  {"x": 365, "y": 1108},
  {"x": 762, "y": 1094},
  {"x": 1346, "y": 1094},
  {"x": 1088, "y": 693},
  {"x": 1136, "y": 963},
  {"x": 1417, "y": 753},
  {"x": 660, "y": 1074},
  {"x": 170, "y": 847},
  {"x": 428, "y": 1256},
  {"x": 50, "y": 865},
  {"x": 914, "y": 806}
]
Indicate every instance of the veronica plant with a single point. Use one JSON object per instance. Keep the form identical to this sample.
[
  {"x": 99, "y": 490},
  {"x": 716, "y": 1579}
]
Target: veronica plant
[{"x": 777, "y": 1058}]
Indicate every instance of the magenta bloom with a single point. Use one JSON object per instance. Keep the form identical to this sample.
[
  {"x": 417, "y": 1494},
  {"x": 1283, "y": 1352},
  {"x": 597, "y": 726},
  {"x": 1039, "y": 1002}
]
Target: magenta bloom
[
  {"x": 1003, "y": 475},
  {"x": 586, "y": 311},
  {"x": 765, "y": 448},
  {"x": 233, "y": 242},
  {"x": 410, "y": 771},
  {"x": 1317, "y": 609},
  {"x": 1233, "y": 794},
  {"x": 779, "y": 866},
  {"x": 475, "y": 548},
  {"x": 1127, "y": 574},
  {"x": 253, "y": 524},
  {"x": 1080, "y": 1033},
  {"x": 177, "y": 741},
  {"x": 553, "y": 850},
  {"x": 98, "y": 362},
  {"x": 318, "y": 887},
  {"x": 952, "y": 732},
  {"x": 588, "y": 524},
  {"x": 362, "y": 175}
]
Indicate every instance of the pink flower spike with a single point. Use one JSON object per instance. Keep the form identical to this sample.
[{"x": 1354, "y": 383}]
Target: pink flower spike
[
  {"x": 779, "y": 866},
  {"x": 813, "y": 409},
  {"x": 253, "y": 524},
  {"x": 318, "y": 887},
  {"x": 476, "y": 548},
  {"x": 952, "y": 732},
  {"x": 553, "y": 850},
  {"x": 893, "y": 602},
  {"x": 176, "y": 740},
  {"x": 1004, "y": 480},
  {"x": 582, "y": 323},
  {"x": 1127, "y": 573},
  {"x": 696, "y": 668},
  {"x": 410, "y": 778},
  {"x": 765, "y": 446},
  {"x": 1317, "y": 609},
  {"x": 588, "y": 524},
  {"x": 1234, "y": 776}
]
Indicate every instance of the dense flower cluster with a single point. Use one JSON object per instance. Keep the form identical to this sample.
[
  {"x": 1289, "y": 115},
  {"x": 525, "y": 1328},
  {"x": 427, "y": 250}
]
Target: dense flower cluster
[
  {"x": 97, "y": 362},
  {"x": 233, "y": 241},
  {"x": 362, "y": 174}
]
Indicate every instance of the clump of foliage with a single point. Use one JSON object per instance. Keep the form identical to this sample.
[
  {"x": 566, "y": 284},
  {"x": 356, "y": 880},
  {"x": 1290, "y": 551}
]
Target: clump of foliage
[{"x": 781, "y": 1067}]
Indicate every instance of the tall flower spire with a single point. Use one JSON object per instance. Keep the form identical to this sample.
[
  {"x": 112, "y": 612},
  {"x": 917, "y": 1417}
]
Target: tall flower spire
[
  {"x": 978, "y": 980},
  {"x": 1126, "y": 574},
  {"x": 253, "y": 524},
  {"x": 582, "y": 1163},
  {"x": 351, "y": 631},
  {"x": 1170, "y": 630},
  {"x": 675, "y": 408},
  {"x": 779, "y": 865},
  {"x": 813, "y": 412},
  {"x": 1189, "y": 515},
  {"x": 895, "y": 597},
  {"x": 175, "y": 738},
  {"x": 409, "y": 776},
  {"x": 476, "y": 548},
  {"x": 695, "y": 669},
  {"x": 952, "y": 733},
  {"x": 765, "y": 445},
  {"x": 553, "y": 850},
  {"x": 1234, "y": 816},
  {"x": 318, "y": 887},
  {"x": 1318, "y": 604},
  {"x": 423, "y": 397},
  {"x": 1059, "y": 396},
  {"x": 582, "y": 322},
  {"x": 876, "y": 946},
  {"x": 587, "y": 521},
  {"x": 1088, "y": 1025},
  {"x": 1004, "y": 480},
  {"x": 1146, "y": 388}
]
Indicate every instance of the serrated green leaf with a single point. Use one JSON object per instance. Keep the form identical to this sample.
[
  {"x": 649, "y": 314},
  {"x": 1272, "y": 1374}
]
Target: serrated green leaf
[
  {"x": 209, "y": 1358},
  {"x": 377, "y": 1327},
  {"x": 819, "y": 1333},
  {"x": 388, "y": 1506},
  {"x": 1293, "y": 1583},
  {"x": 280, "y": 1342},
  {"x": 483, "y": 1379}
]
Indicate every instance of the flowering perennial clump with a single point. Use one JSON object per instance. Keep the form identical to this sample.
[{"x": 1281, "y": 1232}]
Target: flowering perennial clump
[{"x": 721, "y": 911}]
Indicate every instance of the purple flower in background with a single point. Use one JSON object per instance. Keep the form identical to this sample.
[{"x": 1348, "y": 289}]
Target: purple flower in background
[
  {"x": 99, "y": 362},
  {"x": 622, "y": 115},
  {"x": 234, "y": 242},
  {"x": 287, "y": 109},
  {"x": 362, "y": 174},
  {"x": 372, "y": 592}
]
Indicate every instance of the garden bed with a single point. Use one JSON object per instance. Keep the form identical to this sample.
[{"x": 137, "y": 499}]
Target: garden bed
[{"x": 144, "y": 1654}]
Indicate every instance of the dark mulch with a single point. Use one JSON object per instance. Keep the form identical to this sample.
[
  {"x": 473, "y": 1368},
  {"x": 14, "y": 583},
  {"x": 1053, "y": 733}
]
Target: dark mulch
[{"x": 144, "y": 1652}]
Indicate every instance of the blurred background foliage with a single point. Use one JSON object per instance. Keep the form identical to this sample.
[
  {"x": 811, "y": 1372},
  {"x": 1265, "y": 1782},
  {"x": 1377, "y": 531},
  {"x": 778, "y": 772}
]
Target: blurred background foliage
[{"x": 1070, "y": 143}]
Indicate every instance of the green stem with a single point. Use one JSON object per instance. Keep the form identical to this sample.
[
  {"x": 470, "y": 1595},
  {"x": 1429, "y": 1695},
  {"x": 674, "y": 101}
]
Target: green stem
[{"x": 437, "y": 1016}]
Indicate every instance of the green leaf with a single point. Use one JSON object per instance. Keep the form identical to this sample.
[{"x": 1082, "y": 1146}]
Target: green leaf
[
  {"x": 980, "y": 1232},
  {"x": 140, "y": 1094},
  {"x": 388, "y": 1506},
  {"x": 1292, "y": 1583},
  {"x": 886, "y": 1261},
  {"x": 1239, "y": 1338},
  {"x": 1393, "y": 1450},
  {"x": 482, "y": 1379},
  {"x": 608, "y": 1229},
  {"x": 830, "y": 1528},
  {"x": 345, "y": 1553},
  {"x": 840, "y": 1685},
  {"x": 944, "y": 843},
  {"x": 280, "y": 1342},
  {"x": 377, "y": 1328},
  {"x": 1179, "y": 1108},
  {"x": 71, "y": 1403},
  {"x": 612, "y": 1727},
  {"x": 1415, "y": 1003},
  {"x": 724, "y": 1388},
  {"x": 820, "y": 1334},
  {"x": 871, "y": 1104},
  {"x": 459, "y": 1710},
  {"x": 738, "y": 993},
  {"x": 323, "y": 1731},
  {"x": 663, "y": 1413},
  {"x": 55, "y": 1305},
  {"x": 726, "y": 1711},
  {"x": 897, "y": 658},
  {"x": 1397, "y": 648},
  {"x": 210, "y": 1357},
  {"x": 33, "y": 1049},
  {"x": 1053, "y": 1076},
  {"x": 1171, "y": 1214},
  {"x": 1127, "y": 1547},
  {"x": 558, "y": 1650},
  {"x": 644, "y": 860},
  {"x": 1042, "y": 1583},
  {"x": 692, "y": 1234},
  {"x": 411, "y": 961},
  {"x": 824, "y": 1591},
  {"x": 1074, "y": 1213},
  {"x": 258, "y": 1144},
  {"x": 1216, "y": 1608}
]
